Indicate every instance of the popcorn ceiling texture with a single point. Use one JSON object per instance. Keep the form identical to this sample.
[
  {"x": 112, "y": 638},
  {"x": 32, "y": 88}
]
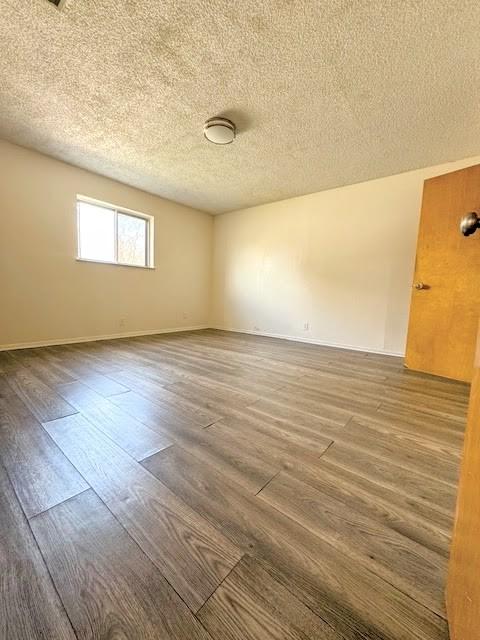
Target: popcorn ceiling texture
[{"x": 323, "y": 93}]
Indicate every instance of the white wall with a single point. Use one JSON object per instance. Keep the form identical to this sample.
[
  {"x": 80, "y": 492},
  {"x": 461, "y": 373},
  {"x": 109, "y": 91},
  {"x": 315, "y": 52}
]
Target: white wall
[
  {"x": 333, "y": 267},
  {"x": 339, "y": 261},
  {"x": 48, "y": 296}
]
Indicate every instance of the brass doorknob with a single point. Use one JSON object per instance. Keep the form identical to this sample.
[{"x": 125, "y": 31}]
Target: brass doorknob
[{"x": 420, "y": 285}]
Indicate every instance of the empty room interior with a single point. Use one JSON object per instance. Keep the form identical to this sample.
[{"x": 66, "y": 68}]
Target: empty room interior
[{"x": 239, "y": 309}]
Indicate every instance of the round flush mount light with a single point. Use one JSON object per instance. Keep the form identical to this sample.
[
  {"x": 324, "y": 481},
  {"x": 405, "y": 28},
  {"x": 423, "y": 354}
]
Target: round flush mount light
[{"x": 219, "y": 130}]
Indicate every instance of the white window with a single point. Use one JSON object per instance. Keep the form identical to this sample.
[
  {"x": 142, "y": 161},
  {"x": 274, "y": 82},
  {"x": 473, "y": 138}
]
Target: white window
[{"x": 110, "y": 234}]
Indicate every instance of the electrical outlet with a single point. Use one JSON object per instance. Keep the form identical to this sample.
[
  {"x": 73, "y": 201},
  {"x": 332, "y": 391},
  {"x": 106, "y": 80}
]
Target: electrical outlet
[
  {"x": 306, "y": 326},
  {"x": 122, "y": 323}
]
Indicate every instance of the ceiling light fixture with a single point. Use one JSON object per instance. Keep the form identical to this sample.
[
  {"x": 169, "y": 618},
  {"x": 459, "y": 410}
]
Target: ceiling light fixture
[{"x": 219, "y": 130}]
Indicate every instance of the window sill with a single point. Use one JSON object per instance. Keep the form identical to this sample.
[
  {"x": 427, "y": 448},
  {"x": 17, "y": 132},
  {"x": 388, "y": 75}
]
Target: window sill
[{"x": 116, "y": 264}]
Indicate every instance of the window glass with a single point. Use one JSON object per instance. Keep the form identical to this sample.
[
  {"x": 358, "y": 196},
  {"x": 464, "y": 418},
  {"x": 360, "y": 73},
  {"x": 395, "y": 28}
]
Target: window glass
[
  {"x": 107, "y": 234},
  {"x": 96, "y": 229},
  {"x": 132, "y": 239}
]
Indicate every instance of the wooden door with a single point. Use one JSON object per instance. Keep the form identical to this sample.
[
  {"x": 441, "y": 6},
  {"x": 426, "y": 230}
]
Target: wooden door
[
  {"x": 444, "y": 313},
  {"x": 463, "y": 586}
]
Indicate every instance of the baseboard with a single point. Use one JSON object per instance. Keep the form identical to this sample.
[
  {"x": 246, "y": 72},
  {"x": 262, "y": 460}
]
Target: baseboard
[
  {"x": 132, "y": 334},
  {"x": 321, "y": 343},
  {"x": 110, "y": 336}
]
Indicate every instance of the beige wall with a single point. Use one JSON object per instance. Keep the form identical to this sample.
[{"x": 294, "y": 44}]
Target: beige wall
[
  {"x": 46, "y": 295},
  {"x": 333, "y": 267}
]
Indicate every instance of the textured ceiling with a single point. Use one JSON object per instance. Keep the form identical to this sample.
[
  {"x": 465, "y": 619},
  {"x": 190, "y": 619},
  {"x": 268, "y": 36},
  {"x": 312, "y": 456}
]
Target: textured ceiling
[{"x": 324, "y": 93}]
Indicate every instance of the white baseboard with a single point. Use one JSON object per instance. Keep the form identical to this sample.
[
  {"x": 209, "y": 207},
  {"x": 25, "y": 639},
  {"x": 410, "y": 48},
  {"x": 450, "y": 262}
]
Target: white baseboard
[
  {"x": 321, "y": 343},
  {"x": 110, "y": 336},
  {"x": 132, "y": 334}
]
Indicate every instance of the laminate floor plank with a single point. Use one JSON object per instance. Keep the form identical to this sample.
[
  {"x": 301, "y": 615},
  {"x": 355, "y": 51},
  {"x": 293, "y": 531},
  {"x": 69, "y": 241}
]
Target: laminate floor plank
[
  {"x": 436, "y": 428},
  {"x": 191, "y": 553},
  {"x": 275, "y": 446},
  {"x": 180, "y": 366},
  {"x": 130, "y": 434},
  {"x": 298, "y": 423},
  {"x": 420, "y": 485},
  {"x": 42, "y": 400},
  {"x": 130, "y": 356},
  {"x": 297, "y": 357},
  {"x": 243, "y": 384},
  {"x": 333, "y": 412},
  {"x": 350, "y": 598},
  {"x": 279, "y": 404},
  {"x": 106, "y": 356},
  {"x": 450, "y": 407},
  {"x": 101, "y": 384},
  {"x": 244, "y": 381},
  {"x": 79, "y": 357},
  {"x": 210, "y": 397},
  {"x": 247, "y": 468},
  {"x": 153, "y": 372},
  {"x": 254, "y": 448},
  {"x": 240, "y": 377},
  {"x": 29, "y": 606},
  {"x": 324, "y": 381},
  {"x": 184, "y": 359},
  {"x": 300, "y": 428},
  {"x": 173, "y": 406},
  {"x": 422, "y": 428},
  {"x": 403, "y": 563},
  {"x": 452, "y": 399},
  {"x": 247, "y": 365},
  {"x": 250, "y": 603},
  {"x": 441, "y": 408},
  {"x": 160, "y": 416},
  {"x": 394, "y": 508},
  {"x": 184, "y": 356},
  {"x": 428, "y": 385},
  {"x": 421, "y": 434},
  {"x": 355, "y": 401},
  {"x": 49, "y": 373},
  {"x": 275, "y": 489},
  {"x": 413, "y": 412},
  {"x": 107, "y": 584},
  {"x": 239, "y": 354},
  {"x": 102, "y": 355},
  {"x": 40, "y": 473},
  {"x": 83, "y": 368},
  {"x": 402, "y": 449},
  {"x": 244, "y": 465}
]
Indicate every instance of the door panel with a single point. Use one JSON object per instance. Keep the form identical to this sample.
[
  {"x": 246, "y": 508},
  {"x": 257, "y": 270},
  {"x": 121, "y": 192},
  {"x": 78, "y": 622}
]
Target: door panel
[
  {"x": 444, "y": 314},
  {"x": 463, "y": 586}
]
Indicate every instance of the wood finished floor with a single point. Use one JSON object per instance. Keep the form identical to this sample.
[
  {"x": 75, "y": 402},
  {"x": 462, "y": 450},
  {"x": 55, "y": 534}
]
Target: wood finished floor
[{"x": 212, "y": 485}]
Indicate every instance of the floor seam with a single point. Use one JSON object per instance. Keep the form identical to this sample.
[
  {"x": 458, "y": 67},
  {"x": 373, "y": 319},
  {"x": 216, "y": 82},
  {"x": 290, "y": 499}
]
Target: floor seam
[
  {"x": 219, "y": 585},
  {"x": 325, "y": 450},
  {"x": 268, "y": 482},
  {"x": 58, "y": 504}
]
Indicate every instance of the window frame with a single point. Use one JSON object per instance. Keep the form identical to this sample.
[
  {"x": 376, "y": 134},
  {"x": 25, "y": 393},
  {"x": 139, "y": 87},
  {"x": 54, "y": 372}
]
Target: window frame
[{"x": 149, "y": 232}]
